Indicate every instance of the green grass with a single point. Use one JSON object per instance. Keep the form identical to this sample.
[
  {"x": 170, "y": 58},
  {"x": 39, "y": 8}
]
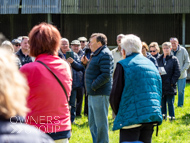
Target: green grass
[{"x": 177, "y": 131}]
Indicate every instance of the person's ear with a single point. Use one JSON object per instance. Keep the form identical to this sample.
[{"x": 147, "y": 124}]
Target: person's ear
[
  {"x": 123, "y": 54},
  {"x": 99, "y": 44}
]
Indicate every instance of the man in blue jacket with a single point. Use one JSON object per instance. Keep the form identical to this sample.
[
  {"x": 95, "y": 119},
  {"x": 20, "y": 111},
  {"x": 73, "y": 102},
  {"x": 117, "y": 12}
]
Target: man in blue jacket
[
  {"x": 98, "y": 82},
  {"x": 136, "y": 94}
]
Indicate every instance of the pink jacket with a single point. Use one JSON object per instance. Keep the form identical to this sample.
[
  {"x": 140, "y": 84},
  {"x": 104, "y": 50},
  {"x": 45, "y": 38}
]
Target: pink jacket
[{"x": 47, "y": 102}]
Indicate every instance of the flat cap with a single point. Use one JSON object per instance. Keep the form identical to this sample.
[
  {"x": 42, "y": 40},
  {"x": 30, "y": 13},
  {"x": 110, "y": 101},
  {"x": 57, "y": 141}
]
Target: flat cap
[
  {"x": 82, "y": 39},
  {"x": 75, "y": 42}
]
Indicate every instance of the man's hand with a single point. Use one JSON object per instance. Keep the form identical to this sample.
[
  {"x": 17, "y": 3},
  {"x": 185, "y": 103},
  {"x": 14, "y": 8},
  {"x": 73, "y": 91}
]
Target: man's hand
[
  {"x": 70, "y": 60},
  {"x": 84, "y": 60}
]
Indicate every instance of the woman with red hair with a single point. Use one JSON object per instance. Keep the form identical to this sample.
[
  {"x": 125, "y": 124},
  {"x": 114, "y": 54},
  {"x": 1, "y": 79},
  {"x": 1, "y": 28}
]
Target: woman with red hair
[{"x": 49, "y": 110}]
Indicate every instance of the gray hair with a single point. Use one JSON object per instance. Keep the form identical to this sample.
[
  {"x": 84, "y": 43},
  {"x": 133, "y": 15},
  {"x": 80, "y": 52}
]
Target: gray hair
[
  {"x": 120, "y": 35},
  {"x": 7, "y": 45},
  {"x": 131, "y": 44},
  {"x": 174, "y": 39},
  {"x": 65, "y": 39}
]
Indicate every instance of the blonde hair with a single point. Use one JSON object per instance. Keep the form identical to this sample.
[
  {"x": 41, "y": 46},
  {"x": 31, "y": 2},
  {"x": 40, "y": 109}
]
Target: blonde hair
[
  {"x": 155, "y": 45},
  {"x": 13, "y": 87},
  {"x": 7, "y": 45},
  {"x": 144, "y": 45}
]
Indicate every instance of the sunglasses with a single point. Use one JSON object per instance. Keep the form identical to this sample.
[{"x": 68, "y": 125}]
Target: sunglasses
[
  {"x": 82, "y": 41},
  {"x": 17, "y": 45},
  {"x": 152, "y": 51}
]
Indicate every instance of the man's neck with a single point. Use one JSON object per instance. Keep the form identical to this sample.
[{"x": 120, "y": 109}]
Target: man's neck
[
  {"x": 25, "y": 51},
  {"x": 119, "y": 48},
  {"x": 175, "y": 49}
]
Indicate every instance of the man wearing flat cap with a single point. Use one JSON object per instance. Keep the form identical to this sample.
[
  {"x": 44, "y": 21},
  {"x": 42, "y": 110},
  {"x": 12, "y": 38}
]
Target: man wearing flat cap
[{"x": 76, "y": 47}]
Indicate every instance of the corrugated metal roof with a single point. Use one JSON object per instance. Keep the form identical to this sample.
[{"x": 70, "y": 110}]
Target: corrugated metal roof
[
  {"x": 9, "y": 6},
  {"x": 96, "y": 6},
  {"x": 41, "y": 6},
  {"x": 125, "y": 6}
]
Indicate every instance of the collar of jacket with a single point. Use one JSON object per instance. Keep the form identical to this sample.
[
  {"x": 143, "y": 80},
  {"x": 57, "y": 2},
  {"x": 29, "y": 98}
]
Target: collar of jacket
[
  {"x": 20, "y": 53},
  {"x": 80, "y": 52},
  {"x": 98, "y": 50},
  {"x": 155, "y": 55},
  {"x": 131, "y": 54},
  {"x": 178, "y": 48},
  {"x": 167, "y": 57}
]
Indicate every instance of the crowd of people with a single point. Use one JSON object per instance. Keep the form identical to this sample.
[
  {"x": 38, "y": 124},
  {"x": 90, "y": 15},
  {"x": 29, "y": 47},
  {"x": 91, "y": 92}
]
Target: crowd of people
[{"x": 49, "y": 76}]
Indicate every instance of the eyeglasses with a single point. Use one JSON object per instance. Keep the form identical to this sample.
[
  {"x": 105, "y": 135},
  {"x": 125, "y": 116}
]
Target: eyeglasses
[
  {"x": 82, "y": 41},
  {"x": 153, "y": 51}
]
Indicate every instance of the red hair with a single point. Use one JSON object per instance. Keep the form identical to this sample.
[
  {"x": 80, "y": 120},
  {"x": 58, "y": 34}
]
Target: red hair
[{"x": 44, "y": 38}]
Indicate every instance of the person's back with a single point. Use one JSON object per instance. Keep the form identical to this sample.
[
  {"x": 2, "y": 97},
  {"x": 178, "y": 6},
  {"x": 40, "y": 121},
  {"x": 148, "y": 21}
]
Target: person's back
[
  {"x": 142, "y": 87},
  {"x": 136, "y": 94},
  {"x": 41, "y": 83}
]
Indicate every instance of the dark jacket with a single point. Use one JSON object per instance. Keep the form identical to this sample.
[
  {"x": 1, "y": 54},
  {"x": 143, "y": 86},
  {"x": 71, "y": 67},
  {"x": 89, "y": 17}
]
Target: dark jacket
[
  {"x": 80, "y": 54},
  {"x": 156, "y": 56},
  {"x": 172, "y": 69},
  {"x": 77, "y": 74},
  {"x": 87, "y": 52},
  {"x": 14, "y": 130},
  {"x": 98, "y": 75},
  {"x": 153, "y": 59},
  {"x": 77, "y": 69},
  {"x": 23, "y": 59}
]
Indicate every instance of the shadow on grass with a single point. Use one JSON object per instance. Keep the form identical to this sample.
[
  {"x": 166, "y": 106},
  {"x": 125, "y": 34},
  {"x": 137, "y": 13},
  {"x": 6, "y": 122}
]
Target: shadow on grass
[{"x": 185, "y": 119}]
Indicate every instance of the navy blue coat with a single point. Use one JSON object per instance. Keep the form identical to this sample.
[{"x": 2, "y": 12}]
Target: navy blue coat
[
  {"x": 77, "y": 69},
  {"x": 98, "y": 75},
  {"x": 170, "y": 79}
]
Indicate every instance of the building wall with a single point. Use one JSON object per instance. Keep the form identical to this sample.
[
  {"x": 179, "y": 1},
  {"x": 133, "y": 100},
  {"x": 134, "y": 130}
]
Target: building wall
[{"x": 148, "y": 27}]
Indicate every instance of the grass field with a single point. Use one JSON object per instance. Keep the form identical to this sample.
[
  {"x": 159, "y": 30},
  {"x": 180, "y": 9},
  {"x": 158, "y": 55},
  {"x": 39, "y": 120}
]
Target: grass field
[{"x": 177, "y": 131}]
